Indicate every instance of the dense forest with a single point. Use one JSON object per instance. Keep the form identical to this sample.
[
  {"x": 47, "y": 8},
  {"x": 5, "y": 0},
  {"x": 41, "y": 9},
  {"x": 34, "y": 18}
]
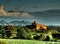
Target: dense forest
[{"x": 52, "y": 33}]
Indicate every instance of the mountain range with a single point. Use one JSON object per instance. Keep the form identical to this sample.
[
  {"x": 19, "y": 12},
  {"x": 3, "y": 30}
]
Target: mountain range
[{"x": 15, "y": 23}]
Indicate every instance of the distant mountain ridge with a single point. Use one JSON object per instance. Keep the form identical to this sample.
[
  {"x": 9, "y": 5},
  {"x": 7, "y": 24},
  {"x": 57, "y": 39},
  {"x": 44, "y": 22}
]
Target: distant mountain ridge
[{"x": 15, "y": 23}]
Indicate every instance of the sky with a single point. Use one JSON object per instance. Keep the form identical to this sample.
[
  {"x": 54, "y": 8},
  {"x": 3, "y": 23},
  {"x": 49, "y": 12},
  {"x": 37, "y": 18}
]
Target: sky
[
  {"x": 31, "y": 5},
  {"x": 35, "y": 5}
]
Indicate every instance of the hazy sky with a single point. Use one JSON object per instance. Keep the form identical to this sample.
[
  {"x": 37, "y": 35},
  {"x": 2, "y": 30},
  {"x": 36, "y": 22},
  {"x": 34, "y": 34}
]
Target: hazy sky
[
  {"x": 35, "y": 5},
  {"x": 31, "y": 5}
]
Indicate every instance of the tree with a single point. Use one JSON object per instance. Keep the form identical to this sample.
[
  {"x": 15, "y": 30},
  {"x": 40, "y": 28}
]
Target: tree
[{"x": 9, "y": 31}]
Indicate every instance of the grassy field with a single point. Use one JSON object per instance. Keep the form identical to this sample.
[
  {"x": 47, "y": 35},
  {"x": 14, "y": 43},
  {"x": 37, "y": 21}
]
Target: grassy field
[{"x": 19, "y": 41}]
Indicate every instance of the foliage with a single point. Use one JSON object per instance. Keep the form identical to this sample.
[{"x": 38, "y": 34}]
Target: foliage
[
  {"x": 1, "y": 42},
  {"x": 23, "y": 32},
  {"x": 9, "y": 31}
]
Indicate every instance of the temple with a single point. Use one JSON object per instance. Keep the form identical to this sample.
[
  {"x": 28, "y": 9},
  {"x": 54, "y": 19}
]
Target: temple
[{"x": 38, "y": 26}]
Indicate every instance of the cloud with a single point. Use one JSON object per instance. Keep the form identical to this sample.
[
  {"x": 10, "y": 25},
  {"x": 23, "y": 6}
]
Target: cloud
[
  {"x": 14, "y": 13},
  {"x": 2, "y": 11},
  {"x": 26, "y": 14},
  {"x": 22, "y": 15},
  {"x": 17, "y": 14}
]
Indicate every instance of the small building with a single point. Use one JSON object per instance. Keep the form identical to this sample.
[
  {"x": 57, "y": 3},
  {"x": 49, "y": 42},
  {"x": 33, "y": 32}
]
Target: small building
[{"x": 39, "y": 26}]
